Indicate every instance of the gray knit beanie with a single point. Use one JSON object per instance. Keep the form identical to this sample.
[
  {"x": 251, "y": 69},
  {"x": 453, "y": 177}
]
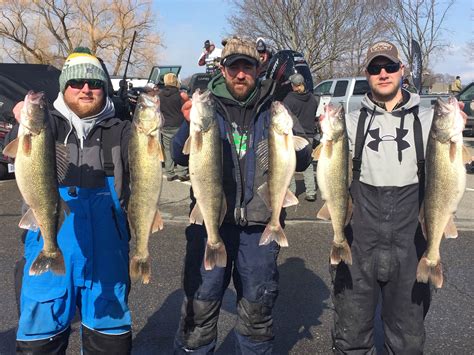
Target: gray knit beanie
[{"x": 81, "y": 64}]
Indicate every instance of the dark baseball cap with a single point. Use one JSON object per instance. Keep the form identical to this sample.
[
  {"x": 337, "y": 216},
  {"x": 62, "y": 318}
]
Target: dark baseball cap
[
  {"x": 382, "y": 49},
  {"x": 207, "y": 44},
  {"x": 297, "y": 79}
]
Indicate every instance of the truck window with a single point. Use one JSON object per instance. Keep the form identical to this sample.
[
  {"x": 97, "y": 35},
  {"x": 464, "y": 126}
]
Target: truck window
[
  {"x": 361, "y": 87},
  {"x": 323, "y": 88},
  {"x": 468, "y": 94},
  {"x": 340, "y": 89}
]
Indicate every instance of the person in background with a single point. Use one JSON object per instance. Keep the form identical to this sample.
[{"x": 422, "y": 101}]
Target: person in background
[
  {"x": 388, "y": 138},
  {"x": 243, "y": 111},
  {"x": 265, "y": 54},
  {"x": 171, "y": 102},
  {"x": 210, "y": 57},
  {"x": 456, "y": 86},
  {"x": 303, "y": 105},
  {"x": 94, "y": 236},
  {"x": 407, "y": 86}
]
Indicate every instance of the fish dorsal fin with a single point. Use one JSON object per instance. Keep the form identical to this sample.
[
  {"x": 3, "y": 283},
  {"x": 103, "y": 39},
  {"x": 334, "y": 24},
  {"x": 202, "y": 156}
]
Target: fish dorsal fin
[
  {"x": 62, "y": 161},
  {"x": 28, "y": 221},
  {"x": 11, "y": 148},
  {"x": 299, "y": 143},
  {"x": 262, "y": 154},
  {"x": 317, "y": 151},
  {"x": 466, "y": 155}
]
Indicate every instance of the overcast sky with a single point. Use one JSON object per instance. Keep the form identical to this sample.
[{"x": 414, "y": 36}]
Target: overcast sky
[{"x": 186, "y": 24}]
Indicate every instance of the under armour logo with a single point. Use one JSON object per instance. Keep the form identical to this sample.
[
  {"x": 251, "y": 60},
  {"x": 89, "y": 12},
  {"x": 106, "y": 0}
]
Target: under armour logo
[{"x": 401, "y": 143}]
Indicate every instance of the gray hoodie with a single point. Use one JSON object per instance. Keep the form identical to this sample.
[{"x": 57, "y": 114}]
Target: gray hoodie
[{"x": 380, "y": 161}]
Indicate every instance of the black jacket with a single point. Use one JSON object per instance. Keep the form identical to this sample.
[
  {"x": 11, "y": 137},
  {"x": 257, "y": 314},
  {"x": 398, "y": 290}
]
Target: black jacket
[
  {"x": 304, "y": 107},
  {"x": 242, "y": 175},
  {"x": 170, "y": 106}
]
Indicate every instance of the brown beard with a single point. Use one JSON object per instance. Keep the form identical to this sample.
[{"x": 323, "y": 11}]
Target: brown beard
[
  {"x": 238, "y": 95},
  {"x": 87, "y": 111}
]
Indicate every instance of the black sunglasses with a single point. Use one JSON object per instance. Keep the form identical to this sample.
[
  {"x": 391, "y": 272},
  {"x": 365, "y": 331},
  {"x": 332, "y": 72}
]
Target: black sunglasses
[
  {"x": 375, "y": 69},
  {"x": 92, "y": 83}
]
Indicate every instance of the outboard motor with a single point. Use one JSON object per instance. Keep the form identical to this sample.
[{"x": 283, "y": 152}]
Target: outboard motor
[{"x": 284, "y": 64}]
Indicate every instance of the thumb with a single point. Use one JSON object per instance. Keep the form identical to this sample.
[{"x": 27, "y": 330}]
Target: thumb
[
  {"x": 186, "y": 109},
  {"x": 184, "y": 96}
]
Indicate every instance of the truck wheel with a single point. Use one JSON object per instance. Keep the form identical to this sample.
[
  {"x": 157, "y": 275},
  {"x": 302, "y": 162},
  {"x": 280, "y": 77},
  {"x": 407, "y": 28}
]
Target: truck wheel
[{"x": 3, "y": 171}]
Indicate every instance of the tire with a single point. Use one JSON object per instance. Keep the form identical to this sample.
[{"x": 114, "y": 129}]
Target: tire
[{"x": 3, "y": 171}]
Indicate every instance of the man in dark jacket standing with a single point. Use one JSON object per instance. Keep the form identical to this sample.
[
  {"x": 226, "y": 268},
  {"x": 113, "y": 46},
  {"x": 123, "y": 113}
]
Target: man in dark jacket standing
[
  {"x": 303, "y": 105},
  {"x": 243, "y": 112},
  {"x": 170, "y": 105}
]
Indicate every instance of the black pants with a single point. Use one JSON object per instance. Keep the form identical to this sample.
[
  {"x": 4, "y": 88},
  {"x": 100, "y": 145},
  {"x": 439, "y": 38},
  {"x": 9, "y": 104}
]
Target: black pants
[{"x": 386, "y": 245}]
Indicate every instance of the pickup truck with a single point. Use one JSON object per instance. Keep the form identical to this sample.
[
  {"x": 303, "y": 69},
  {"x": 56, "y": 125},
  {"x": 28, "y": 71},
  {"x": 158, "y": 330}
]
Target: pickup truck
[
  {"x": 350, "y": 91},
  {"x": 467, "y": 96}
]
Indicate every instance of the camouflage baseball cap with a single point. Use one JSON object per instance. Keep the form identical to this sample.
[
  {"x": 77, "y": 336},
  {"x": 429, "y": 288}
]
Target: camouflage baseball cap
[
  {"x": 237, "y": 48},
  {"x": 382, "y": 49}
]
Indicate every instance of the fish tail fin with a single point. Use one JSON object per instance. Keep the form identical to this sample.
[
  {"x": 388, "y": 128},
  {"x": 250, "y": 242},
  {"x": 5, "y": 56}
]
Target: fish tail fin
[
  {"x": 140, "y": 269},
  {"x": 426, "y": 271},
  {"x": 46, "y": 261},
  {"x": 273, "y": 233},
  {"x": 215, "y": 255},
  {"x": 341, "y": 252}
]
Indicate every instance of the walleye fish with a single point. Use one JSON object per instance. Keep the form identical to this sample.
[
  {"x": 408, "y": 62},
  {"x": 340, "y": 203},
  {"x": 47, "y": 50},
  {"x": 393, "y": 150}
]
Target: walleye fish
[
  {"x": 445, "y": 185},
  {"x": 333, "y": 180},
  {"x": 34, "y": 151},
  {"x": 282, "y": 147},
  {"x": 145, "y": 155},
  {"x": 204, "y": 147}
]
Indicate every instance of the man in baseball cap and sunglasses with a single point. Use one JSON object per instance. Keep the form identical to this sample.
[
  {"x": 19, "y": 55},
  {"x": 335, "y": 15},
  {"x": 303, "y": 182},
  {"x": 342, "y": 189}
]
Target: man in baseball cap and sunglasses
[{"x": 387, "y": 137}]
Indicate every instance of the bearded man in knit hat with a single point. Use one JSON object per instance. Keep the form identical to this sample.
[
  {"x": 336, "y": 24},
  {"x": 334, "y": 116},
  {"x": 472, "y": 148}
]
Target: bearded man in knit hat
[{"x": 94, "y": 236}]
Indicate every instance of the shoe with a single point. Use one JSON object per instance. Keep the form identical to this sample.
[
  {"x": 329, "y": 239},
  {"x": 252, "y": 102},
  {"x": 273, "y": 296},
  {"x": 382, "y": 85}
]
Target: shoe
[
  {"x": 171, "y": 178},
  {"x": 183, "y": 178},
  {"x": 310, "y": 198}
]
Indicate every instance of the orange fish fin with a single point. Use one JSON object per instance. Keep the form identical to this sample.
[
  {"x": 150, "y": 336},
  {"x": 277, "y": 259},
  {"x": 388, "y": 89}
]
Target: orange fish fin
[
  {"x": 11, "y": 148},
  {"x": 264, "y": 194},
  {"x": 28, "y": 221},
  {"x": 140, "y": 268},
  {"x": 157, "y": 222},
  {"x": 324, "y": 213},
  {"x": 45, "y": 262},
  {"x": 466, "y": 155},
  {"x": 272, "y": 233},
  {"x": 450, "y": 232},
  {"x": 187, "y": 146},
  {"x": 317, "y": 152},
  {"x": 299, "y": 143},
  {"x": 427, "y": 272},
  {"x": 290, "y": 199},
  {"x": 215, "y": 255},
  {"x": 197, "y": 142},
  {"x": 329, "y": 149},
  {"x": 341, "y": 252},
  {"x": 196, "y": 215},
  {"x": 27, "y": 144},
  {"x": 161, "y": 152}
]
